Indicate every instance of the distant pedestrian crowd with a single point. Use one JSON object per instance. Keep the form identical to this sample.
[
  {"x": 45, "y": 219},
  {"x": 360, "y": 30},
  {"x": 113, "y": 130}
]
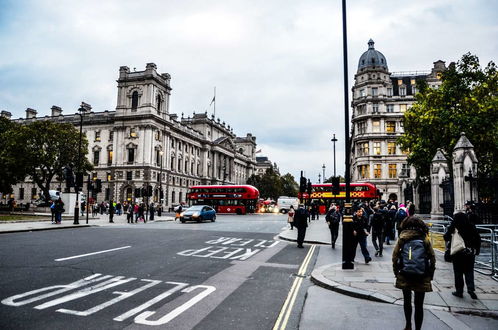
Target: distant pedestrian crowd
[{"x": 413, "y": 258}]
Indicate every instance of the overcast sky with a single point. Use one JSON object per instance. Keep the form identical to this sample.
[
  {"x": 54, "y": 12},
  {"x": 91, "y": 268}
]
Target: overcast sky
[{"x": 276, "y": 64}]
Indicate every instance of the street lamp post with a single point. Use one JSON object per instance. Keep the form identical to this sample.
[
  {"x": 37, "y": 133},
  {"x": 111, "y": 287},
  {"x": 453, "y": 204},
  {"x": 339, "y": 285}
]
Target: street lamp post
[
  {"x": 323, "y": 176},
  {"x": 76, "y": 184},
  {"x": 319, "y": 177},
  {"x": 334, "y": 140},
  {"x": 347, "y": 223},
  {"x": 160, "y": 182}
]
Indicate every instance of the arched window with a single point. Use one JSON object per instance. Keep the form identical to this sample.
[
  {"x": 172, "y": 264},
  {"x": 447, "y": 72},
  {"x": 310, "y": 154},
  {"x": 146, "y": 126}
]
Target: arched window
[
  {"x": 134, "y": 100},
  {"x": 128, "y": 194},
  {"x": 159, "y": 102}
]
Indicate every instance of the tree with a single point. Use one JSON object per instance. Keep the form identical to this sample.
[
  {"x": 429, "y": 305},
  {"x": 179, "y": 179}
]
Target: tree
[
  {"x": 43, "y": 148},
  {"x": 329, "y": 180},
  {"x": 12, "y": 173},
  {"x": 272, "y": 185},
  {"x": 289, "y": 185},
  {"x": 466, "y": 101}
]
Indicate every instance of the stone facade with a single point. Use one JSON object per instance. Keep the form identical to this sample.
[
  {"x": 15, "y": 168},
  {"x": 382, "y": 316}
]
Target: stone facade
[
  {"x": 380, "y": 99},
  {"x": 141, "y": 143}
]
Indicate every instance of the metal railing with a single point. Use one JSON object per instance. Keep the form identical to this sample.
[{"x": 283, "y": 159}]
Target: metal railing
[{"x": 487, "y": 261}]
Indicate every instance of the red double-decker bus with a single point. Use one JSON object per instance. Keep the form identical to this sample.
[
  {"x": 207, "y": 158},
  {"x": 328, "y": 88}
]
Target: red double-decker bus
[
  {"x": 322, "y": 193},
  {"x": 225, "y": 199}
]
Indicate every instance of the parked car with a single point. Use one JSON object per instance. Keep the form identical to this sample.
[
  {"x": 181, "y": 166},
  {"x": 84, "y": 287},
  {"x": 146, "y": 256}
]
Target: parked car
[{"x": 198, "y": 213}]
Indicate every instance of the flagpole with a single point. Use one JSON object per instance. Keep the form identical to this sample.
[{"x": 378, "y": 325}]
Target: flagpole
[{"x": 214, "y": 98}]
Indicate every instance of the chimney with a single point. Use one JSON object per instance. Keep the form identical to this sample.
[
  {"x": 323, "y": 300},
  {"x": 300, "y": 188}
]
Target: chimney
[
  {"x": 30, "y": 113},
  {"x": 56, "y": 111},
  {"x": 6, "y": 114}
]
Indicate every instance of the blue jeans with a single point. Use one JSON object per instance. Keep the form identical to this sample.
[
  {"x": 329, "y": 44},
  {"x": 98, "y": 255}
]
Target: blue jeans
[{"x": 362, "y": 240}]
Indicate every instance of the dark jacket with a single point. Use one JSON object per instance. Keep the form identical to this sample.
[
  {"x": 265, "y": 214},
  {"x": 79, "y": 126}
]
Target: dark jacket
[
  {"x": 360, "y": 224},
  {"x": 469, "y": 233},
  {"x": 377, "y": 224},
  {"x": 301, "y": 218},
  {"x": 402, "y": 282}
]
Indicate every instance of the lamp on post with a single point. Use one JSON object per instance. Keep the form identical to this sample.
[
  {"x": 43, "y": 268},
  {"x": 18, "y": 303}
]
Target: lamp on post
[
  {"x": 319, "y": 177},
  {"x": 334, "y": 140},
  {"x": 470, "y": 178},
  {"x": 161, "y": 153},
  {"x": 323, "y": 169},
  {"x": 347, "y": 222},
  {"x": 79, "y": 175}
]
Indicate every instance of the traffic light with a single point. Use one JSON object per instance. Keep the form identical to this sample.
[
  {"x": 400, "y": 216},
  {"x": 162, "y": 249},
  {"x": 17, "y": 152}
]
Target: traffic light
[
  {"x": 98, "y": 185},
  {"x": 89, "y": 185},
  {"x": 336, "y": 185},
  {"x": 302, "y": 185},
  {"x": 149, "y": 191},
  {"x": 308, "y": 188}
]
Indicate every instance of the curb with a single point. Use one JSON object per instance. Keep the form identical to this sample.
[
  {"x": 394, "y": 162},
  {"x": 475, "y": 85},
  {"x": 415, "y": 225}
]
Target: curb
[
  {"x": 305, "y": 241},
  {"x": 320, "y": 280},
  {"x": 42, "y": 229}
]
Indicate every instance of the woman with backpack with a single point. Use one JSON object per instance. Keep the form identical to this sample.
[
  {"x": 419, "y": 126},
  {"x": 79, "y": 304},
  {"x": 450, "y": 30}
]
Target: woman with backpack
[
  {"x": 414, "y": 263},
  {"x": 333, "y": 218},
  {"x": 463, "y": 261}
]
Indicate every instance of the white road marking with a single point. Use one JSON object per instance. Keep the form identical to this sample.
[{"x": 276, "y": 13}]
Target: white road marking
[{"x": 93, "y": 253}]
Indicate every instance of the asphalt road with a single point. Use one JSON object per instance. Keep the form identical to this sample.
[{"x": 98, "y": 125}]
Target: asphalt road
[{"x": 231, "y": 274}]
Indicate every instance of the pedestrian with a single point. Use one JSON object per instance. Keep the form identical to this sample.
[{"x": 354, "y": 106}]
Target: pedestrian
[
  {"x": 178, "y": 211},
  {"x": 290, "y": 217},
  {"x": 83, "y": 205},
  {"x": 52, "y": 211},
  {"x": 470, "y": 211},
  {"x": 58, "y": 209},
  {"x": 136, "y": 210},
  {"x": 390, "y": 224},
  {"x": 463, "y": 261},
  {"x": 377, "y": 226},
  {"x": 118, "y": 208},
  {"x": 410, "y": 208},
  {"x": 401, "y": 215},
  {"x": 414, "y": 264},
  {"x": 333, "y": 218},
  {"x": 316, "y": 211},
  {"x": 129, "y": 214},
  {"x": 111, "y": 212},
  {"x": 152, "y": 210},
  {"x": 141, "y": 212},
  {"x": 301, "y": 222},
  {"x": 360, "y": 234}
]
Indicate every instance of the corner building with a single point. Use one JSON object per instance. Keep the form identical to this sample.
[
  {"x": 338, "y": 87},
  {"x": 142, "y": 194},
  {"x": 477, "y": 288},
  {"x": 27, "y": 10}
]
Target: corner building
[
  {"x": 142, "y": 144},
  {"x": 380, "y": 99}
]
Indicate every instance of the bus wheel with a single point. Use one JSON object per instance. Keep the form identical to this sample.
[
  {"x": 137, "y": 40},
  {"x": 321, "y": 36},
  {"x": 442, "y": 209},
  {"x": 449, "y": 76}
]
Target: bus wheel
[{"x": 238, "y": 211}]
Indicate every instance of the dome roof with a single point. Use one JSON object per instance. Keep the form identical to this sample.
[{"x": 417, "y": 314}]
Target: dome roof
[{"x": 372, "y": 58}]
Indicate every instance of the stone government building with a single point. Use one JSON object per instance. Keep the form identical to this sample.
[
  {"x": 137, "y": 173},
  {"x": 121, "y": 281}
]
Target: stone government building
[
  {"x": 141, "y": 144},
  {"x": 380, "y": 99}
]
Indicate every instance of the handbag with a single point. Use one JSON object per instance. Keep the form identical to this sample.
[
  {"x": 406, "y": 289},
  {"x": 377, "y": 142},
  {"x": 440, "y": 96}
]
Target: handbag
[
  {"x": 457, "y": 243},
  {"x": 447, "y": 252}
]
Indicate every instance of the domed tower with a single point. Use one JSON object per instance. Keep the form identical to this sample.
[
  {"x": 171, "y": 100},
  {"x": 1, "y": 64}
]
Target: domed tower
[{"x": 375, "y": 156}]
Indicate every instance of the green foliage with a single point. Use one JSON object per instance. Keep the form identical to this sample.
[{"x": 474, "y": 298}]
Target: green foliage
[
  {"x": 329, "y": 180},
  {"x": 466, "y": 101},
  {"x": 43, "y": 148},
  {"x": 11, "y": 172},
  {"x": 272, "y": 185}
]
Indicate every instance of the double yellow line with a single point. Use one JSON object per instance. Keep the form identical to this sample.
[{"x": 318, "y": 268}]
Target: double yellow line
[{"x": 283, "y": 317}]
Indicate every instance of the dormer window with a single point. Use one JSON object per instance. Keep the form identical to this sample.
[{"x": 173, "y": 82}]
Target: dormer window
[
  {"x": 402, "y": 91},
  {"x": 134, "y": 100}
]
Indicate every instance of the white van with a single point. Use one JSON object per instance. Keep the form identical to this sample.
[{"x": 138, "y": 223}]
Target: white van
[{"x": 284, "y": 203}]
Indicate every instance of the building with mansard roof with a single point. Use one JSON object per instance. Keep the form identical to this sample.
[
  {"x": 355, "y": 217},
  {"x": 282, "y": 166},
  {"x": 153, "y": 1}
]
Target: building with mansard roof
[
  {"x": 380, "y": 98},
  {"x": 141, "y": 143}
]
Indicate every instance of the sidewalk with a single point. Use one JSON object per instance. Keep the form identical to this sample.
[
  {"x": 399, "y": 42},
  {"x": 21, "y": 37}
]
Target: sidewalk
[
  {"x": 375, "y": 281},
  {"x": 67, "y": 223}
]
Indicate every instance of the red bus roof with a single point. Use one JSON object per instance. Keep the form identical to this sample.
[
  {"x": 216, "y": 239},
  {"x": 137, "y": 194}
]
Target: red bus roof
[
  {"x": 249, "y": 187},
  {"x": 356, "y": 184}
]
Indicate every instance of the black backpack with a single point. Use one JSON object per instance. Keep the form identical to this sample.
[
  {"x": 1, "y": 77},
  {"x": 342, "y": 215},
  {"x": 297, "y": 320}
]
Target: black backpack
[{"x": 414, "y": 262}]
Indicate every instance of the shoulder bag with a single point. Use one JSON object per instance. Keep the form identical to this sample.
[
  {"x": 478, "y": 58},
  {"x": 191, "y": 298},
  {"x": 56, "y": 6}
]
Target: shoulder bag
[{"x": 457, "y": 243}]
